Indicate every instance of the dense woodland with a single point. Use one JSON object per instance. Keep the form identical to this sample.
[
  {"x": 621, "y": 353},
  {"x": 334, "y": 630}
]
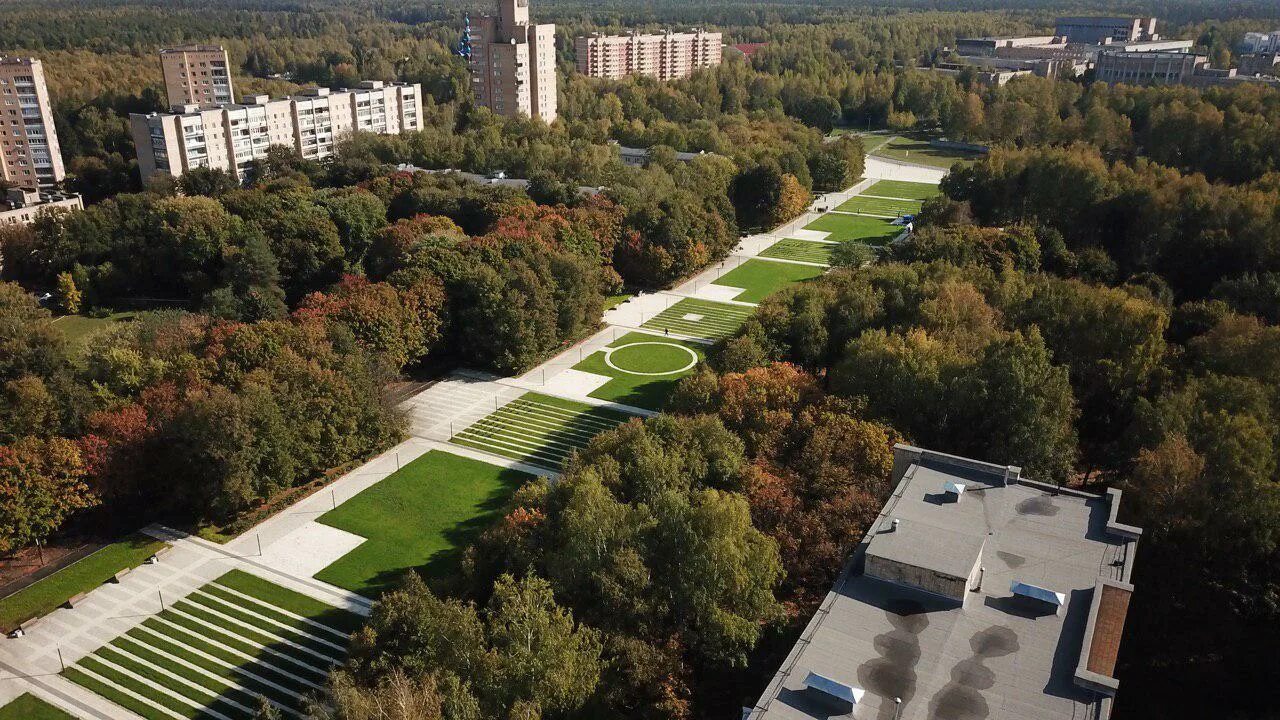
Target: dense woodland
[{"x": 1097, "y": 300}]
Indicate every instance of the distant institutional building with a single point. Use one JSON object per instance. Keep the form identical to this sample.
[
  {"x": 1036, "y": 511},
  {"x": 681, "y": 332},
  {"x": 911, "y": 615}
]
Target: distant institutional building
[
  {"x": 977, "y": 593},
  {"x": 197, "y": 74},
  {"x": 21, "y": 206},
  {"x": 666, "y": 56},
  {"x": 229, "y": 137},
  {"x": 29, "y": 152},
  {"x": 513, "y": 63},
  {"x": 1256, "y": 42},
  {"x": 1102, "y": 30}
]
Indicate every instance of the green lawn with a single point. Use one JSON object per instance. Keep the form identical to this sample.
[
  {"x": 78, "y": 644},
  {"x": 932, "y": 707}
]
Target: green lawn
[
  {"x": 921, "y": 152},
  {"x": 220, "y": 649},
  {"x": 668, "y": 360},
  {"x": 77, "y": 328},
  {"x": 880, "y": 206},
  {"x": 873, "y": 231},
  {"x": 29, "y": 707},
  {"x": 761, "y": 278},
  {"x": 903, "y": 189},
  {"x": 538, "y": 429},
  {"x": 700, "y": 318},
  {"x": 46, "y": 594},
  {"x": 614, "y": 301},
  {"x": 802, "y": 250},
  {"x": 421, "y": 517}
]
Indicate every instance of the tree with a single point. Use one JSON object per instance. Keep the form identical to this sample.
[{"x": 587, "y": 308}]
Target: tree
[
  {"x": 396, "y": 327},
  {"x": 42, "y": 482},
  {"x": 210, "y": 182},
  {"x": 67, "y": 294}
]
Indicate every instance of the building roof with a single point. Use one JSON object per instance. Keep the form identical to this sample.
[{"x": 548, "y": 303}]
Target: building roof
[{"x": 992, "y": 656}]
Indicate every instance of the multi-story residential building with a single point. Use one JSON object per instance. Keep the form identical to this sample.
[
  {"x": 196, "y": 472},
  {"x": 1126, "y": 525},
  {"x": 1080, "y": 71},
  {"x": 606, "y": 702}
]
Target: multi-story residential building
[
  {"x": 666, "y": 56},
  {"x": 29, "y": 152},
  {"x": 197, "y": 74},
  {"x": 1102, "y": 30},
  {"x": 230, "y": 137},
  {"x": 1256, "y": 42},
  {"x": 513, "y": 63},
  {"x": 977, "y": 592}
]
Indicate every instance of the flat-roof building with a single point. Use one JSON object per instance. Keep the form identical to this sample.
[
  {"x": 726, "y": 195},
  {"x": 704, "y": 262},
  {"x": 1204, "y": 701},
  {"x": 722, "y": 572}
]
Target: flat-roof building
[
  {"x": 21, "y": 206},
  {"x": 1100, "y": 30},
  {"x": 666, "y": 56},
  {"x": 976, "y": 593},
  {"x": 513, "y": 63},
  {"x": 230, "y": 137},
  {"x": 1256, "y": 42},
  {"x": 29, "y": 150},
  {"x": 196, "y": 74}
]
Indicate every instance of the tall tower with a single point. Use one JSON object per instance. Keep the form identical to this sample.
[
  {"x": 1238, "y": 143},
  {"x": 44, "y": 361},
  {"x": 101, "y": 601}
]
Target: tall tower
[
  {"x": 513, "y": 63},
  {"x": 29, "y": 151},
  {"x": 196, "y": 75}
]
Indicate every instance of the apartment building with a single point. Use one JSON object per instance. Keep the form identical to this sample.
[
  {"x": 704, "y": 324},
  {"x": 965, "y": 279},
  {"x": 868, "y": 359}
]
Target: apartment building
[
  {"x": 666, "y": 56},
  {"x": 1102, "y": 30},
  {"x": 230, "y": 137},
  {"x": 29, "y": 151},
  {"x": 197, "y": 75},
  {"x": 513, "y": 63}
]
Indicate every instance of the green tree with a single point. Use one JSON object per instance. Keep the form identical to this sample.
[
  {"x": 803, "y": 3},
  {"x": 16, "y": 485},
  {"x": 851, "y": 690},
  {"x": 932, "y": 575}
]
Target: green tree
[{"x": 68, "y": 294}]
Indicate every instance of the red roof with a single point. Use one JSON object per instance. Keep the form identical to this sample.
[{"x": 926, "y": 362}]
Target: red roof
[{"x": 748, "y": 49}]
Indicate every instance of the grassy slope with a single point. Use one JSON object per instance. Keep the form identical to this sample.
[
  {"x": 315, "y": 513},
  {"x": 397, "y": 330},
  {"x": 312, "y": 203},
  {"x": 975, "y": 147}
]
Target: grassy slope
[
  {"x": 48, "y": 593},
  {"x": 649, "y": 392},
  {"x": 873, "y": 231},
  {"x": 761, "y": 278},
  {"x": 902, "y": 189},
  {"x": 422, "y": 516},
  {"x": 921, "y": 152},
  {"x": 30, "y": 707}
]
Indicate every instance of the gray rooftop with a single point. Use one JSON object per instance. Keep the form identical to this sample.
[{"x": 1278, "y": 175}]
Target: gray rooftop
[{"x": 992, "y": 656}]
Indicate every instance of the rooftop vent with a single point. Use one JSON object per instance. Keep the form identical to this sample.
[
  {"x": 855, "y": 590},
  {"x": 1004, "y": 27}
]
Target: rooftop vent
[
  {"x": 952, "y": 487},
  {"x": 1036, "y": 592},
  {"x": 834, "y": 688}
]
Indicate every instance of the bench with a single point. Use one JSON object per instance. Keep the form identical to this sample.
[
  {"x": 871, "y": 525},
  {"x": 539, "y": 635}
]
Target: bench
[{"x": 74, "y": 600}]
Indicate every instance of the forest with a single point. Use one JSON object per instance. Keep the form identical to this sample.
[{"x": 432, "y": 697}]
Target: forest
[{"x": 1097, "y": 300}]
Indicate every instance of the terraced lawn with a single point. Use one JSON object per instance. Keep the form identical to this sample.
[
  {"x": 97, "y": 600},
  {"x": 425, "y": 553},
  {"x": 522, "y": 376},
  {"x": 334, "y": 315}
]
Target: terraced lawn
[
  {"x": 29, "y": 707},
  {"x": 540, "y": 430},
  {"x": 802, "y": 250},
  {"x": 645, "y": 368},
  {"x": 872, "y": 231},
  {"x": 218, "y": 651},
  {"x": 700, "y": 318},
  {"x": 891, "y": 207},
  {"x": 902, "y": 189},
  {"x": 761, "y": 278},
  {"x": 421, "y": 517}
]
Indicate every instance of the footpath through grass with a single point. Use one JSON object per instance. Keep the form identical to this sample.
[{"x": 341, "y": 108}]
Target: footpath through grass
[
  {"x": 539, "y": 430},
  {"x": 214, "y": 653},
  {"x": 903, "y": 189},
  {"x": 645, "y": 368},
  {"x": 45, "y": 595},
  {"x": 872, "y": 231},
  {"x": 761, "y": 278},
  {"x": 421, "y": 517},
  {"x": 29, "y": 707}
]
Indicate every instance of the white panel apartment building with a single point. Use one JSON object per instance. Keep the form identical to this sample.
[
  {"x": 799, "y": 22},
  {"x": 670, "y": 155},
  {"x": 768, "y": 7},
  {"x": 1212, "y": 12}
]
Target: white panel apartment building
[
  {"x": 230, "y": 137},
  {"x": 666, "y": 56},
  {"x": 29, "y": 151},
  {"x": 513, "y": 63},
  {"x": 198, "y": 74}
]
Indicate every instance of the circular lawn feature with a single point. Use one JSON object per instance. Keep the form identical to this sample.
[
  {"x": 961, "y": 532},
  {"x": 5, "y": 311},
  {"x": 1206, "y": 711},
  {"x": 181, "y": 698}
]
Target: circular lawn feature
[{"x": 650, "y": 358}]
